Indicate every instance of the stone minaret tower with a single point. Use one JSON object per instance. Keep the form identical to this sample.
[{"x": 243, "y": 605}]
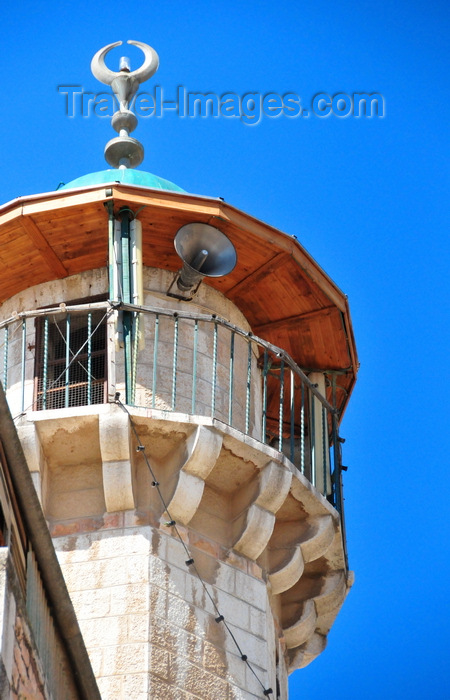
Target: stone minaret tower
[{"x": 177, "y": 371}]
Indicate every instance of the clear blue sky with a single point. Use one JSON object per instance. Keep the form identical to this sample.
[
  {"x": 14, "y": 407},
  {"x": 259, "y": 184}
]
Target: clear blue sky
[{"x": 368, "y": 198}]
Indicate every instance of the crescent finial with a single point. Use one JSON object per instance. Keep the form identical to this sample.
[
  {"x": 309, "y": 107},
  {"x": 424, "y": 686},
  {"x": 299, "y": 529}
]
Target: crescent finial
[
  {"x": 106, "y": 76},
  {"x": 124, "y": 151},
  {"x": 151, "y": 62},
  {"x": 99, "y": 68}
]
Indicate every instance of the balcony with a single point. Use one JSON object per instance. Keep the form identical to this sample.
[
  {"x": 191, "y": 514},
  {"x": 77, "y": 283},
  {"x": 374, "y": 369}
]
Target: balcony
[{"x": 178, "y": 362}]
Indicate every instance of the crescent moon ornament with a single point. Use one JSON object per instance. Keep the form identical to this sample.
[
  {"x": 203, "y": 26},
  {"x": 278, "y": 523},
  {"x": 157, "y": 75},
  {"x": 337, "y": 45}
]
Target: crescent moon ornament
[
  {"x": 106, "y": 76},
  {"x": 124, "y": 151}
]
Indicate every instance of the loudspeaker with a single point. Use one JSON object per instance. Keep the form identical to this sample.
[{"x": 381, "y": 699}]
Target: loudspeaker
[{"x": 205, "y": 252}]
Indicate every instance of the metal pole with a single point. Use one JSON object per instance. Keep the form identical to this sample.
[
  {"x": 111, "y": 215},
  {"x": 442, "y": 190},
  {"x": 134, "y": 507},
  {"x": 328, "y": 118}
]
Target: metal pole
[
  {"x": 302, "y": 432},
  {"x": 174, "y": 362},
  {"x": 281, "y": 408},
  {"x": 24, "y": 348},
  {"x": 126, "y": 291},
  {"x": 292, "y": 416},
  {"x": 264, "y": 411},
  {"x": 89, "y": 359},
  {"x": 324, "y": 450},
  {"x": 313, "y": 442},
  {"x": 5, "y": 359},
  {"x": 194, "y": 367},
  {"x": 231, "y": 380},
  {"x": 214, "y": 370},
  {"x": 155, "y": 360},
  {"x": 67, "y": 372},
  {"x": 45, "y": 365},
  {"x": 249, "y": 386}
]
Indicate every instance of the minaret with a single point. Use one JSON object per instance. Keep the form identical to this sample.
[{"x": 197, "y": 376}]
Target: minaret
[{"x": 177, "y": 371}]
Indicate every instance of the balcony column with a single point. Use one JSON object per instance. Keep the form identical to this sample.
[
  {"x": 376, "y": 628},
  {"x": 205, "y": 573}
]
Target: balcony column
[
  {"x": 126, "y": 285},
  {"x": 319, "y": 438}
]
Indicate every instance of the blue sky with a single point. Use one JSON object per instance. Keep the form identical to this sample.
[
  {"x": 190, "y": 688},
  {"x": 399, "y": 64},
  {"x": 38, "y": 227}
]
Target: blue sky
[{"x": 368, "y": 198}]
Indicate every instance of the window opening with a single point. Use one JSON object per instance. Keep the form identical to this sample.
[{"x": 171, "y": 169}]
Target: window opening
[{"x": 71, "y": 360}]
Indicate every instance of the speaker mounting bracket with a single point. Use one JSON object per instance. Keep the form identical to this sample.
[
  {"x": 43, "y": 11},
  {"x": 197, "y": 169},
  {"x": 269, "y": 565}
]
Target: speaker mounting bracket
[{"x": 188, "y": 296}]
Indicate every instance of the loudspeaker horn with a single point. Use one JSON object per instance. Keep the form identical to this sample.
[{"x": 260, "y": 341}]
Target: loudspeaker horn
[{"x": 205, "y": 252}]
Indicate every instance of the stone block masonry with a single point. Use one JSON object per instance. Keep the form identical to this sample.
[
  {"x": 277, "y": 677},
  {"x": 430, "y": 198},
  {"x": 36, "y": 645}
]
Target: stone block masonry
[{"x": 148, "y": 623}]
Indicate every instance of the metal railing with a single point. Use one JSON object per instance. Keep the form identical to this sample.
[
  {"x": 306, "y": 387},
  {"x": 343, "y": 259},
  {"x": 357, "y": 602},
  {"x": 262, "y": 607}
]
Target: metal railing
[{"x": 183, "y": 362}]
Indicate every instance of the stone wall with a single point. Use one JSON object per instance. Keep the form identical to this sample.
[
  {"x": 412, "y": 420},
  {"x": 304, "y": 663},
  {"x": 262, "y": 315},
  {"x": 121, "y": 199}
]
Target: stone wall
[
  {"x": 21, "y": 674},
  {"x": 148, "y": 622}
]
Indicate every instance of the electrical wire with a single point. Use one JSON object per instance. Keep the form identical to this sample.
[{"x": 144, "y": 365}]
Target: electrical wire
[{"x": 190, "y": 561}]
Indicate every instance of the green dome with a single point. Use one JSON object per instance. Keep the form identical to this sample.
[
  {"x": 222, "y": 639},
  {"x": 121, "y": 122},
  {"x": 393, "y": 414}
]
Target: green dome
[{"x": 126, "y": 175}]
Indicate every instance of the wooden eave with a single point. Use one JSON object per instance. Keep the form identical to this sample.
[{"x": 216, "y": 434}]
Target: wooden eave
[{"x": 285, "y": 295}]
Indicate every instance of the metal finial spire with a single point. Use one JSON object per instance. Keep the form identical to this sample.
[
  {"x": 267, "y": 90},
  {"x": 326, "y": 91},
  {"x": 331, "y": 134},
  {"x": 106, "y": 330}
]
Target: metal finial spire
[{"x": 124, "y": 151}]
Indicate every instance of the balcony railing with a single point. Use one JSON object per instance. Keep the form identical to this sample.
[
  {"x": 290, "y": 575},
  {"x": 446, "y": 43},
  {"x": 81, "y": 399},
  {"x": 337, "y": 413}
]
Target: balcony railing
[{"x": 183, "y": 362}]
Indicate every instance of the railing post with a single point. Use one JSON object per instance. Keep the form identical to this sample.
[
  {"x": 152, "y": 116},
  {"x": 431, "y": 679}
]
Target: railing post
[
  {"x": 292, "y": 452},
  {"x": 24, "y": 350},
  {"x": 231, "y": 380},
  {"x": 312, "y": 440},
  {"x": 89, "y": 359},
  {"x": 174, "y": 362},
  {"x": 281, "y": 407},
  {"x": 249, "y": 386},
  {"x": 45, "y": 365},
  {"x": 155, "y": 360},
  {"x": 5, "y": 358},
  {"x": 67, "y": 371},
  {"x": 320, "y": 437},
  {"x": 194, "y": 367},
  {"x": 302, "y": 431},
  {"x": 214, "y": 370},
  {"x": 264, "y": 411}
]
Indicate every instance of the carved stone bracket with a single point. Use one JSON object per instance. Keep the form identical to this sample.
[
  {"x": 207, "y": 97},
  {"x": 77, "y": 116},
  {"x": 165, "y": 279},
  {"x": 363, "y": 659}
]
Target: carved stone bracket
[
  {"x": 274, "y": 484},
  {"x": 202, "y": 450},
  {"x": 116, "y": 462}
]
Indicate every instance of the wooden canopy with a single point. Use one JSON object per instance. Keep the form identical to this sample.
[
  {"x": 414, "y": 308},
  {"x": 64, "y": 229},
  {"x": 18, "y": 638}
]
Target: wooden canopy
[{"x": 284, "y": 294}]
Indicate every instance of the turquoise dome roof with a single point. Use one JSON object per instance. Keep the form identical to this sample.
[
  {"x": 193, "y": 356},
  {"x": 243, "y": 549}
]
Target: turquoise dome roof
[{"x": 126, "y": 175}]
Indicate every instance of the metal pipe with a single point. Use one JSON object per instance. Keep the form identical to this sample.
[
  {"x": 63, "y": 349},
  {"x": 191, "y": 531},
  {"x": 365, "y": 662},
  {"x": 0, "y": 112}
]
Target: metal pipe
[
  {"x": 45, "y": 365},
  {"x": 249, "y": 386},
  {"x": 5, "y": 358},
  {"x": 89, "y": 359},
  {"x": 264, "y": 410},
  {"x": 24, "y": 349},
  {"x": 302, "y": 432},
  {"x": 292, "y": 416},
  {"x": 174, "y": 363},
  {"x": 155, "y": 360},
  {"x": 214, "y": 371},
  {"x": 194, "y": 368},
  {"x": 313, "y": 441},
  {"x": 231, "y": 380},
  {"x": 67, "y": 371},
  {"x": 324, "y": 450},
  {"x": 127, "y": 319},
  {"x": 281, "y": 408}
]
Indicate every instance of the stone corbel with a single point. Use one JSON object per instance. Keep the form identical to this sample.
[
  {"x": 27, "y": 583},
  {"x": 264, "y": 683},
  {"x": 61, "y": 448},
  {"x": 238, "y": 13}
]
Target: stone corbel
[
  {"x": 274, "y": 484},
  {"x": 116, "y": 462},
  {"x": 303, "y": 628},
  {"x": 285, "y": 575},
  {"x": 303, "y": 655},
  {"x": 203, "y": 449},
  {"x": 318, "y": 543},
  {"x": 332, "y": 595}
]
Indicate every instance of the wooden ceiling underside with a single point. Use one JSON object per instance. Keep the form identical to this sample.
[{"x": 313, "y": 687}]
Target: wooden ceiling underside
[{"x": 283, "y": 293}]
